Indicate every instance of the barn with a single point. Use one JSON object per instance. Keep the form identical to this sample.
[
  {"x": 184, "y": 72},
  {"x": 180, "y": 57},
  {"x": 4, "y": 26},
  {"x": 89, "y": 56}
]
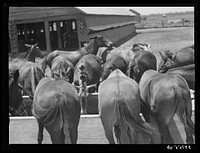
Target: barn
[{"x": 67, "y": 28}]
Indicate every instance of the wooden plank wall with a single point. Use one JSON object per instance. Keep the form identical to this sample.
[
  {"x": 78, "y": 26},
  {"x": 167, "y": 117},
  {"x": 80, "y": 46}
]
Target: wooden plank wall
[{"x": 118, "y": 33}]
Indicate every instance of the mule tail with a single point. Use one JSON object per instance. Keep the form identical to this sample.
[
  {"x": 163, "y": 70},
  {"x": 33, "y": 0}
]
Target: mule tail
[
  {"x": 184, "y": 108},
  {"x": 125, "y": 114}
]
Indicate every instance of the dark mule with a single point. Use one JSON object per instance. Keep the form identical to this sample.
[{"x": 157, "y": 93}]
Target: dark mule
[
  {"x": 114, "y": 62},
  {"x": 185, "y": 56},
  {"x": 73, "y": 56},
  {"x": 33, "y": 52},
  {"x": 187, "y": 72},
  {"x": 15, "y": 94},
  {"x": 119, "y": 108},
  {"x": 87, "y": 74},
  {"x": 141, "y": 62},
  {"x": 57, "y": 108},
  {"x": 163, "y": 95},
  {"x": 62, "y": 69},
  {"x": 29, "y": 79}
]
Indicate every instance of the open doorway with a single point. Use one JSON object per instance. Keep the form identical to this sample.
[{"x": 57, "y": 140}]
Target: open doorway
[
  {"x": 31, "y": 33},
  {"x": 63, "y": 35}
]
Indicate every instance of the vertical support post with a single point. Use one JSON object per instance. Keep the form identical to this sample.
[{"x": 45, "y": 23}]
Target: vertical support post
[
  {"x": 183, "y": 21},
  {"x": 162, "y": 23},
  {"x": 47, "y": 34},
  {"x": 25, "y": 33},
  {"x": 59, "y": 35}
]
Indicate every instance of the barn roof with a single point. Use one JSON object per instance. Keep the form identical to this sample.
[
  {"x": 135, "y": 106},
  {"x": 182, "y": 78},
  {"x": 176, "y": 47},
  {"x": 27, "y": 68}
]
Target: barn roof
[
  {"x": 22, "y": 13},
  {"x": 106, "y": 11}
]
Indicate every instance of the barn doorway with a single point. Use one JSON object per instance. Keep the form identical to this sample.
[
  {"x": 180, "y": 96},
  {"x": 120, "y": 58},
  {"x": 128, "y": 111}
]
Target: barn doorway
[
  {"x": 63, "y": 35},
  {"x": 31, "y": 33}
]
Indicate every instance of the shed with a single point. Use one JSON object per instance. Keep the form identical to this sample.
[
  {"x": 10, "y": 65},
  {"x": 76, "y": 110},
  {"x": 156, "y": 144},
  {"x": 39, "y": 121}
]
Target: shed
[{"x": 67, "y": 28}]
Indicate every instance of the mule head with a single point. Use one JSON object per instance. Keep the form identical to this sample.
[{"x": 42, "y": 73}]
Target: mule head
[
  {"x": 166, "y": 65},
  {"x": 102, "y": 41},
  {"x": 82, "y": 88},
  {"x": 166, "y": 54},
  {"x": 34, "y": 50},
  {"x": 107, "y": 69},
  {"x": 64, "y": 72},
  {"x": 133, "y": 71},
  {"x": 15, "y": 91}
]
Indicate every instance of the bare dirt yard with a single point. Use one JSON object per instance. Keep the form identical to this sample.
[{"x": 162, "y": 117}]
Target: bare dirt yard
[{"x": 172, "y": 39}]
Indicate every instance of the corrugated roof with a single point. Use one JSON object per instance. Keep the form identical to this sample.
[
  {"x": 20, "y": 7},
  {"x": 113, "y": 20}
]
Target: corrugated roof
[{"x": 106, "y": 11}]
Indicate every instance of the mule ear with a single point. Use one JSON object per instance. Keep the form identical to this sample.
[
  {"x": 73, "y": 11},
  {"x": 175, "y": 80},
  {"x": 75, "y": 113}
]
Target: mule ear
[
  {"x": 16, "y": 75},
  {"x": 93, "y": 37},
  {"x": 35, "y": 44},
  {"x": 27, "y": 45},
  {"x": 162, "y": 54}
]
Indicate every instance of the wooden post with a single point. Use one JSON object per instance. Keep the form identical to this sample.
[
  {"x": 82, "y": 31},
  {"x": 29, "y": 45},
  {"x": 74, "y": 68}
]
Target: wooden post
[
  {"x": 47, "y": 34},
  {"x": 162, "y": 23},
  {"x": 13, "y": 38},
  {"x": 25, "y": 33},
  {"x": 183, "y": 21},
  {"x": 59, "y": 35}
]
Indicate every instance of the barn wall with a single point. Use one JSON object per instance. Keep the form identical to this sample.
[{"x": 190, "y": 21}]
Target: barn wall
[
  {"x": 95, "y": 20},
  {"x": 118, "y": 33}
]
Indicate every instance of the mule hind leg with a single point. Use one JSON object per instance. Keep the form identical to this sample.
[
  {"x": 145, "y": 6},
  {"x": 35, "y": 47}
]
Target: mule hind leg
[
  {"x": 40, "y": 132},
  {"x": 188, "y": 126},
  {"x": 108, "y": 128},
  {"x": 163, "y": 126},
  {"x": 56, "y": 134}
]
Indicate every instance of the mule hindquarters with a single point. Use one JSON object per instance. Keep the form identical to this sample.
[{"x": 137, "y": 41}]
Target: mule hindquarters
[
  {"x": 167, "y": 97},
  {"x": 62, "y": 120}
]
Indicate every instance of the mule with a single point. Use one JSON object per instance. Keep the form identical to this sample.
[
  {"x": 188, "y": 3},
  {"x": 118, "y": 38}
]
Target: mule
[
  {"x": 187, "y": 72},
  {"x": 185, "y": 56},
  {"x": 33, "y": 52},
  {"x": 87, "y": 74},
  {"x": 119, "y": 108},
  {"x": 62, "y": 69},
  {"x": 57, "y": 109},
  {"x": 115, "y": 62},
  {"x": 141, "y": 62},
  {"x": 74, "y": 56},
  {"x": 30, "y": 74},
  {"x": 29, "y": 79},
  {"x": 163, "y": 95},
  {"x": 15, "y": 93}
]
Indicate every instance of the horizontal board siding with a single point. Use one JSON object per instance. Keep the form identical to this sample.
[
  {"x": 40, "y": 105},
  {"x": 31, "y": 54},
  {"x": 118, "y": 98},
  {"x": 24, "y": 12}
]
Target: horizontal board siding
[{"x": 118, "y": 33}]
